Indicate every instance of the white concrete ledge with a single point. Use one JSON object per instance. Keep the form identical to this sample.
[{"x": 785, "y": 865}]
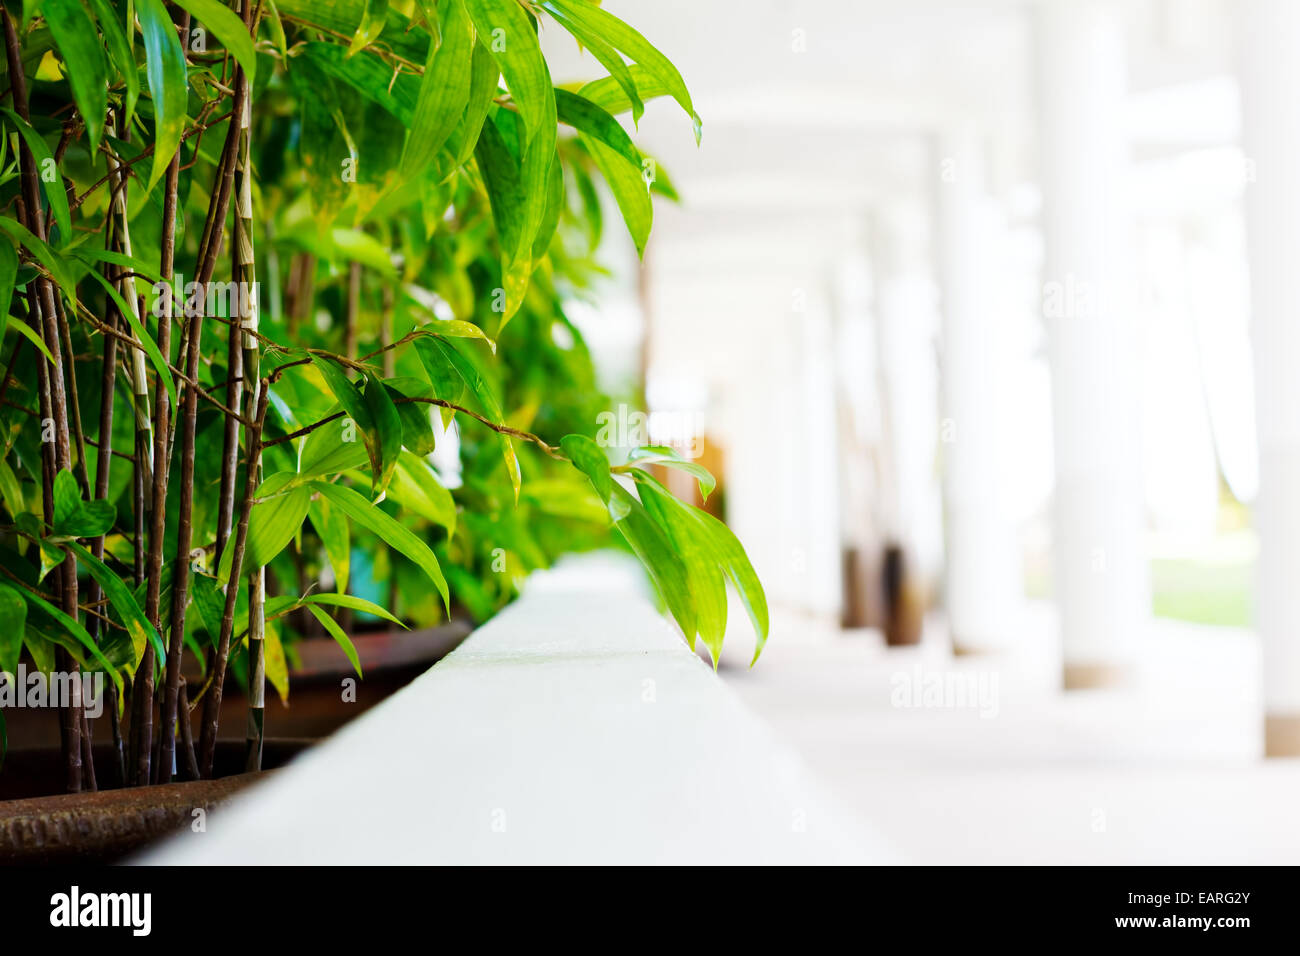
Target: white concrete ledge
[{"x": 575, "y": 727}]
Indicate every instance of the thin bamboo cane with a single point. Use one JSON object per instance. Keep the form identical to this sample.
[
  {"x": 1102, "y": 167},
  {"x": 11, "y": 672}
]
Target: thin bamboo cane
[
  {"x": 247, "y": 272},
  {"x": 47, "y": 312},
  {"x": 208, "y": 254},
  {"x": 103, "y": 469},
  {"x": 212, "y": 702}
]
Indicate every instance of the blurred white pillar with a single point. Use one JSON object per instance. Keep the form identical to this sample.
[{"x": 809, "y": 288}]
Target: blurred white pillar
[
  {"x": 1100, "y": 571},
  {"x": 906, "y": 327},
  {"x": 979, "y": 565},
  {"x": 1270, "y": 86},
  {"x": 818, "y": 553}
]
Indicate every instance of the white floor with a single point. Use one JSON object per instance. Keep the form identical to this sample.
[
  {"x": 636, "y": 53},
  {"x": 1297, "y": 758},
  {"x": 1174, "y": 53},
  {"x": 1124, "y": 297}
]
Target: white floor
[{"x": 1167, "y": 771}]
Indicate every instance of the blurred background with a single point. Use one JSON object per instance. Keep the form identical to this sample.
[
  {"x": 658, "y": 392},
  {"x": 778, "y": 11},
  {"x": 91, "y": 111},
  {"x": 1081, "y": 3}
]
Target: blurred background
[{"x": 982, "y": 313}]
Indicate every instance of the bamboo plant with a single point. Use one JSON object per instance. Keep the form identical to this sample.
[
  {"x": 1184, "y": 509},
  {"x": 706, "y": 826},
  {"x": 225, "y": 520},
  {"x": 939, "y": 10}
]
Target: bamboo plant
[{"x": 257, "y": 262}]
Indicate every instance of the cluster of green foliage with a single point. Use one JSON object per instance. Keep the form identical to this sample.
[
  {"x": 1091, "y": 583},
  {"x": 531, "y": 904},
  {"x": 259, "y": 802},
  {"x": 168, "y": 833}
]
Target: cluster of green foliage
[{"x": 258, "y": 261}]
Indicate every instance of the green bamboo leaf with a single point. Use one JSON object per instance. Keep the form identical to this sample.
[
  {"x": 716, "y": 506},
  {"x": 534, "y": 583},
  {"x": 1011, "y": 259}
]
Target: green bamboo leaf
[
  {"x": 13, "y": 622},
  {"x": 520, "y": 57},
  {"x": 369, "y": 76},
  {"x": 440, "y": 358},
  {"x": 27, "y": 332},
  {"x": 326, "y": 452},
  {"x": 53, "y": 262},
  {"x": 11, "y": 489},
  {"x": 387, "y": 424},
  {"x": 555, "y": 201},
  {"x": 628, "y": 41},
  {"x": 663, "y": 455},
  {"x": 484, "y": 75},
  {"x": 48, "y": 172},
  {"x": 75, "y": 517},
  {"x": 227, "y": 27},
  {"x": 168, "y": 82},
  {"x": 131, "y": 263},
  {"x": 656, "y": 554},
  {"x": 364, "y": 248},
  {"x": 120, "y": 599},
  {"x": 372, "y": 24},
  {"x": 67, "y": 500},
  {"x": 51, "y": 557},
  {"x": 81, "y": 640},
  {"x": 345, "y": 390},
  {"x": 336, "y": 632},
  {"x": 276, "y": 27},
  {"x": 611, "y": 96},
  {"x": 273, "y": 523},
  {"x": 610, "y": 59},
  {"x": 417, "y": 430},
  {"x": 39, "y": 647},
  {"x": 8, "y": 279},
  {"x": 503, "y": 181},
  {"x": 630, "y": 189},
  {"x": 455, "y": 328},
  {"x": 391, "y": 531},
  {"x": 444, "y": 90},
  {"x": 332, "y": 528},
  {"x": 83, "y": 60},
  {"x": 738, "y": 570},
  {"x": 119, "y": 51},
  {"x": 660, "y": 182},
  {"x": 375, "y": 416},
  {"x": 416, "y": 489},
  {"x": 142, "y": 336},
  {"x": 728, "y": 553},
  {"x": 588, "y": 458},
  {"x": 210, "y": 602},
  {"x": 341, "y": 18},
  {"x": 513, "y": 38},
  {"x": 275, "y": 662},
  {"x": 353, "y": 602},
  {"x": 703, "y": 575},
  {"x": 586, "y": 117},
  {"x": 164, "y": 600}
]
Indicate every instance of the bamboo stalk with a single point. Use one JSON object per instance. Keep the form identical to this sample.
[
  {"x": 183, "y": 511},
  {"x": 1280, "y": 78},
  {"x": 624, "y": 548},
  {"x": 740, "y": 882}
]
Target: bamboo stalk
[
  {"x": 164, "y": 767},
  {"x": 256, "y": 669},
  {"x": 212, "y": 702},
  {"x": 389, "y": 357},
  {"x": 103, "y": 468},
  {"x": 146, "y": 772},
  {"x": 46, "y": 311},
  {"x": 247, "y": 273},
  {"x": 142, "y": 479},
  {"x": 208, "y": 252},
  {"x": 351, "y": 321},
  {"x": 69, "y": 729},
  {"x": 88, "y": 780},
  {"x": 353, "y": 311},
  {"x": 187, "y": 734}
]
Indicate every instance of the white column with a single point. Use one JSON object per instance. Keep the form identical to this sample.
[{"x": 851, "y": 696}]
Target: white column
[
  {"x": 906, "y": 328},
  {"x": 1270, "y": 86},
  {"x": 979, "y": 563},
  {"x": 1101, "y": 579}
]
